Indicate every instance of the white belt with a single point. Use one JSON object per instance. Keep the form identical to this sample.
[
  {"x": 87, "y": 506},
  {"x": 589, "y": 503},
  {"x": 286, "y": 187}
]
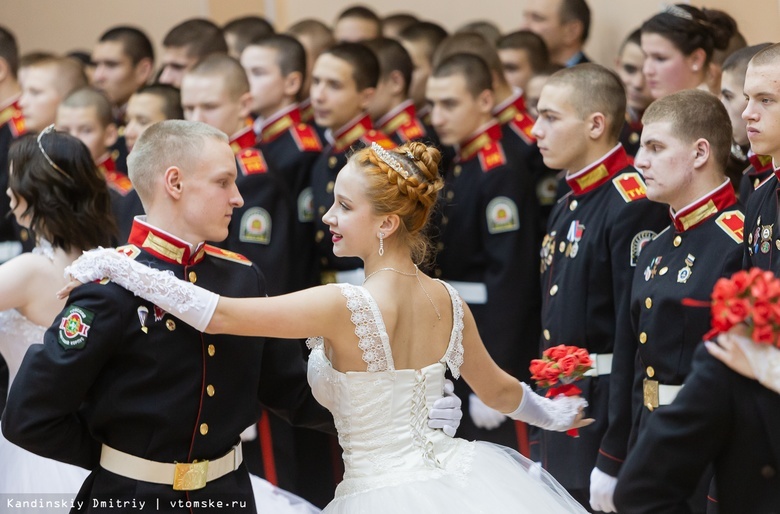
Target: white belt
[
  {"x": 182, "y": 476},
  {"x": 472, "y": 292},
  {"x": 667, "y": 393},
  {"x": 602, "y": 364}
]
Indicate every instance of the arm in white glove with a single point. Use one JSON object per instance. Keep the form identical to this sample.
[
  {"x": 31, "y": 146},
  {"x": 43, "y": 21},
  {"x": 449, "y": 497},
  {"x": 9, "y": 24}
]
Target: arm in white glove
[
  {"x": 602, "y": 489},
  {"x": 743, "y": 355},
  {"x": 483, "y": 416},
  {"x": 445, "y": 412},
  {"x": 188, "y": 302},
  {"x": 558, "y": 414}
]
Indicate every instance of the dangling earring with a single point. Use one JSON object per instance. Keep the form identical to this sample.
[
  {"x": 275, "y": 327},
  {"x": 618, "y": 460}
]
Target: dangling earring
[{"x": 381, "y": 244}]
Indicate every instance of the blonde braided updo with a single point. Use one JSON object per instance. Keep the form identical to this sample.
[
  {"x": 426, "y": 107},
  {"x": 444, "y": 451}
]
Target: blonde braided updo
[{"x": 412, "y": 198}]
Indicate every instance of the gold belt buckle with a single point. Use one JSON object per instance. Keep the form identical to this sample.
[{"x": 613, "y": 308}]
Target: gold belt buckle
[
  {"x": 190, "y": 476},
  {"x": 650, "y": 391}
]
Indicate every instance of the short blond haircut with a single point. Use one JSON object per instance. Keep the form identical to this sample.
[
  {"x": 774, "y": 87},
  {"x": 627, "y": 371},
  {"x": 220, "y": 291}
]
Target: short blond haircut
[
  {"x": 228, "y": 69},
  {"x": 164, "y": 144}
]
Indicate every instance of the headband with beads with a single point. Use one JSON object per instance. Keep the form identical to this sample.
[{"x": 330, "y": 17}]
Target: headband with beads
[
  {"x": 678, "y": 11},
  {"x": 390, "y": 159}
]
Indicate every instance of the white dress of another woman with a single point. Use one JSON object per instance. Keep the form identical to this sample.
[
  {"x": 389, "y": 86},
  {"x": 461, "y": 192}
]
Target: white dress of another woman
[
  {"x": 22, "y": 472},
  {"x": 394, "y": 463}
]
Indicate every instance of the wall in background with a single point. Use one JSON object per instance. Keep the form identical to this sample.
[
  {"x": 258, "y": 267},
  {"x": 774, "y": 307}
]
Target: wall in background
[{"x": 61, "y": 26}]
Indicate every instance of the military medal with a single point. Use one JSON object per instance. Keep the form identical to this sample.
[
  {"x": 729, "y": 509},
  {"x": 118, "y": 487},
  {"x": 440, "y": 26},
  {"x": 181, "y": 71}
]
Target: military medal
[
  {"x": 766, "y": 238},
  {"x": 547, "y": 251},
  {"x": 652, "y": 268},
  {"x": 573, "y": 237},
  {"x": 685, "y": 272},
  {"x": 143, "y": 312}
]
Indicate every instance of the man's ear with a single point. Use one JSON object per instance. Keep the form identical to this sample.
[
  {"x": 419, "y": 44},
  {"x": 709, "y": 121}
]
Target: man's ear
[
  {"x": 597, "y": 125},
  {"x": 173, "y": 182},
  {"x": 292, "y": 84},
  {"x": 703, "y": 152},
  {"x": 366, "y": 96}
]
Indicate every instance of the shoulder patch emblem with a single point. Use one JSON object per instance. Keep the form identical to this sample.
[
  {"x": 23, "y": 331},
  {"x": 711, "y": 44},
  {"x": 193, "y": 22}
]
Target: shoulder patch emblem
[
  {"x": 639, "y": 242},
  {"x": 733, "y": 224},
  {"x": 256, "y": 226},
  {"x": 492, "y": 156},
  {"x": 227, "y": 255},
  {"x": 306, "y": 206},
  {"x": 74, "y": 327},
  {"x": 306, "y": 138},
  {"x": 412, "y": 131},
  {"x": 522, "y": 124},
  {"x": 502, "y": 215},
  {"x": 374, "y": 136},
  {"x": 129, "y": 250},
  {"x": 630, "y": 186},
  {"x": 251, "y": 161}
]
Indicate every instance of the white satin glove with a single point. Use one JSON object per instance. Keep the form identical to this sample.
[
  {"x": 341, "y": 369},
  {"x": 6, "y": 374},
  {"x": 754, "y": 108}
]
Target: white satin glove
[
  {"x": 445, "y": 412},
  {"x": 602, "y": 491},
  {"x": 557, "y": 414},
  {"x": 188, "y": 302},
  {"x": 483, "y": 416}
]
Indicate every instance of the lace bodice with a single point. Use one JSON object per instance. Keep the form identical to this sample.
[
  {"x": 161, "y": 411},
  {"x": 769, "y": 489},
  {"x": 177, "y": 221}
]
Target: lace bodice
[
  {"x": 17, "y": 333},
  {"x": 381, "y": 414}
]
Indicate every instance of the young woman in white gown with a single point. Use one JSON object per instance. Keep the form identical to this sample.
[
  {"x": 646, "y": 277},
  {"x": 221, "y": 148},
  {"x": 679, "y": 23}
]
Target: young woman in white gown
[
  {"x": 380, "y": 358},
  {"x": 58, "y": 193}
]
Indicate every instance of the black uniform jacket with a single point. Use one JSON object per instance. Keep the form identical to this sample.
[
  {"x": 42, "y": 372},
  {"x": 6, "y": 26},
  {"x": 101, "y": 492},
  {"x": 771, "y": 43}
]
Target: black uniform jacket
[
  {"x": 262, "y": 228},
  {"x": 594, "y": 238},
  {"x": 762, "y": 233},
  {"x": 115, "y": 369},
  {"x": 719, "y": 417},
  {"x": 670, "y": 300},
  {"x": 291, "y": 147},
  {"x": 759, "y": 170}
]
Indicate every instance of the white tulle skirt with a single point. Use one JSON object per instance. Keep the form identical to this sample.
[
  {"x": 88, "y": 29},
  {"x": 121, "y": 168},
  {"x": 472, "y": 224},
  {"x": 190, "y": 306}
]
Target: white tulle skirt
[
  {"x": 271, "y": 499},
  {"x": 499, "y": 480},
  {"x": 23, "y": 473}
]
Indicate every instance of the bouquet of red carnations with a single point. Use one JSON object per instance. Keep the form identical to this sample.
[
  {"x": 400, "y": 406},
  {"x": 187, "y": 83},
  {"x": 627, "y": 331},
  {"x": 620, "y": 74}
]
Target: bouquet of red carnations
[
  {"x": 561, "y": 365},
  {"x": 751, "y": 297}
]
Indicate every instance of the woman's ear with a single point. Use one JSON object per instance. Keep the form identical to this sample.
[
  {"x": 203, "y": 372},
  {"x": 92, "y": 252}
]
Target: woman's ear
[{"x": 390, "y": 224}]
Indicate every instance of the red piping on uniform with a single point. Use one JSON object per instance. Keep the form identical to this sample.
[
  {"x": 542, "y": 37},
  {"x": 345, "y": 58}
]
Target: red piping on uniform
[
  {"x": 521, "y": 430},
  {"x": 267, "y": 448}
]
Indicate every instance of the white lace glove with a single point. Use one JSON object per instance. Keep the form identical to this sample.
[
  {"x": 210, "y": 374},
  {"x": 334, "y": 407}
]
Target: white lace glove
[
  {"x": 483, "y": 416},
  {"x": 188, "y": 302},
  {"x": 557, "y": 414},
  {"x": 764, "y": 359},
  {"x": 445, "y": 412},
  {"x": 602, "y": 490}
]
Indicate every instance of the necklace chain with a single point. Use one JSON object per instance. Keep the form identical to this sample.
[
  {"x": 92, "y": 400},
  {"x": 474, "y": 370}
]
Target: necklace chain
[{"x": 416, "y": 274}]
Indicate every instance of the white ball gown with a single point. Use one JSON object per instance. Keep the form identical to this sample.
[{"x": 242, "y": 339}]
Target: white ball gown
[{"x": 394, "y": 463}]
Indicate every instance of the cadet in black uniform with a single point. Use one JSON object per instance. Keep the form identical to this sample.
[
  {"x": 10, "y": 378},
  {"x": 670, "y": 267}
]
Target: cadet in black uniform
[
  {"x": 629, "y": 68},
  {"x": 420, "y": 41},
  {"x": 391, "y": 109},
  {"x": 185, "y": 395},
  {"x": 276, "y": 67},
  {"x": 511, "y": 113},
  {"x": 343, "y": 81},
  {"x": 720, "y": 418},
  {"x": 316, "y": 37},
  {"x": 685, "y": 147},
  {"x": 594, "y": 238},
  {"x": 488, "y": 231},
  {"x": 759, "y": 167},
  {"x": 762, "y": 241},
  {"x": 185, "y": 45},
  {"x": 216, "y": 91}
]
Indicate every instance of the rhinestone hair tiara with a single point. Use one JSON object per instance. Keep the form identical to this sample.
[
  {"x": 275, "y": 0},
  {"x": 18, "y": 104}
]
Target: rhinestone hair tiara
[
  {"x": 390, "y": 159},
  {"x": 53, "y": 164},
  {"x": 675, "y": 10}
]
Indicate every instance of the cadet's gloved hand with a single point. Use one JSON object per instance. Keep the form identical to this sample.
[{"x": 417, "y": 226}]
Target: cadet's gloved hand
[
  {"x": 482, "y": 415},
  {"x": 446, "y": 413},
  {"x": 602, "y": 490}
]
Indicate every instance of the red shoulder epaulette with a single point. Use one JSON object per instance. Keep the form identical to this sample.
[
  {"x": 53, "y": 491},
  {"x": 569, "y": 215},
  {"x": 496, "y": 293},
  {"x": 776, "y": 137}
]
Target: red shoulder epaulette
[
  {"x": 631, "y": 186},
  {"x": 522, "y": 124},
  {"x": 119, "y": 182},
  {"x": 412, "y": 130},
  {"x": 227, "y": 255},
  {"x": 491, "y": 156},
  {"x": 733, "y": 224},
  {"x": 17, "y": 124},
  {"x": 251, "y": 161},
  {"x": 306, "y": 138},
  {"x": 374, "y": 136}
]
